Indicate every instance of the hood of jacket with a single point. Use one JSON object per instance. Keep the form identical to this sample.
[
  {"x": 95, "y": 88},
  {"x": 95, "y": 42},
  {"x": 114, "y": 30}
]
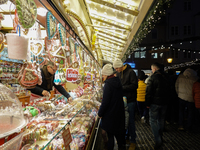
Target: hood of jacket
[
  {"x": 114, "y": 82},
  {"x": 189, "y": 73},
  {"x": 127, "y": 67}
]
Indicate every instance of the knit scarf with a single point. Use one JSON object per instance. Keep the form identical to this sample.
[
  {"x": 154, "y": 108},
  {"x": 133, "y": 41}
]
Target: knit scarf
[{"x": 48, "y": 77}]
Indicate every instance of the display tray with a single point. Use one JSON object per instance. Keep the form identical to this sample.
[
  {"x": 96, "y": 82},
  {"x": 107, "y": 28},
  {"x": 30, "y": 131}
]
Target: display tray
[{"x": 11, "y": 124}]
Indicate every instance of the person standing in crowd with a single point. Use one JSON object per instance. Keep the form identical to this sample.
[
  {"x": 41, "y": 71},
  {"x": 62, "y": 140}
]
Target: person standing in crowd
[
  {"x": 183, "y": 86},
  {"x": 147, "y": 79},
  {"x": 129, "y": 85},
  {"x": 156, "y": 99},
  {"x": 48, "y": 75},
  {"x": 172, "y": 111},
  {"x": 196, "y": 94},
  {"x": 111, "y": 110},
  {"x": 141, "y": 92}
]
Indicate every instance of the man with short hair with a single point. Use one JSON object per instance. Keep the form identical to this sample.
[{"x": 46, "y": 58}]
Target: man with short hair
[
  {"x": 157, "y": 96},
  {"x": 129, "y": 86},
  {"x": 48, "y": 75}
]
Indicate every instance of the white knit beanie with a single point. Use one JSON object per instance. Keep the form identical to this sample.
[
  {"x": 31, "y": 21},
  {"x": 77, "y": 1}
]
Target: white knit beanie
[
  {"x": 107, "y": 70},
  {"x": 117, "y": 63}
]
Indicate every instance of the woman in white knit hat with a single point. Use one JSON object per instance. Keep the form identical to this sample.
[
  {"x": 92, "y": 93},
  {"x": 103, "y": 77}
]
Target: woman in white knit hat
[{"x": 111, "y": 110}]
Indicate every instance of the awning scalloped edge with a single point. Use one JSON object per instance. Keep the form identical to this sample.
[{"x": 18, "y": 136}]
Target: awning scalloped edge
[{"x": 69, "y": 12}]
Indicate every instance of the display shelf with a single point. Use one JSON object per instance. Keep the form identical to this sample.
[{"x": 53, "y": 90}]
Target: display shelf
[{"x": 80, "y": 117}]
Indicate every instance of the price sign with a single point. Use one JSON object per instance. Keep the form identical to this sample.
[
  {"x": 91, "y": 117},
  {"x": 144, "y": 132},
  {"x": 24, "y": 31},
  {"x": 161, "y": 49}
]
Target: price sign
[
  {"x": 71, "y": 75},
  {"x": 67, "y": 137},
  {"x": 88, "y": 76}
]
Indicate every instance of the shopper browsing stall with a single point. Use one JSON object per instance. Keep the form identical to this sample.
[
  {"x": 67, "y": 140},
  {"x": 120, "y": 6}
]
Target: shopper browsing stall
[
  {"x": 48, "y": 75},
  {"x": 112, "y": 108}
]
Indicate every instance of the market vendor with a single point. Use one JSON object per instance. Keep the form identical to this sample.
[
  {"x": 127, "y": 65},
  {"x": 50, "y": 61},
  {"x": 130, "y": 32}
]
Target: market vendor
[{"x": 48, "y": 75}]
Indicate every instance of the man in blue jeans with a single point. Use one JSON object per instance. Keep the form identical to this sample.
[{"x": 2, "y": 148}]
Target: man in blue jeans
[
  {"x": 129, "y": 86},
  {"x": 156, "y": 99}
]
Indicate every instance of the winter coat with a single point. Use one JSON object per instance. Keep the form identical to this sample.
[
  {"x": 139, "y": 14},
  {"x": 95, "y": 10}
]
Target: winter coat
[
  {"x": 141, "y": 91},
  {"x": 158, "y": 89},
  {"x": 129, "y": 83},
  {"x": 112, "y": 107},
  {"x": 196, "y": 93},
  {"x": 184, "y": 84},
  {"x": 39, "y": 88}
]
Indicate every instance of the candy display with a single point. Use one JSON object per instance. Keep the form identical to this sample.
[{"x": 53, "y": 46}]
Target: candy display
[
  {"x": 46, "y": 125},
  {"x": 11, "y": 113},
  {"x": 44, "y": 120}
]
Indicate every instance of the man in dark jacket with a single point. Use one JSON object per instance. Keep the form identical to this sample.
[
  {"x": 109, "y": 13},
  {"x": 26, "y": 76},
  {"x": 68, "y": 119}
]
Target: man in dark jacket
[
  {"x": 48, "y": 75},
  {"x": 129, "y": 85},
  {"x": 157, "y": 96},
  {"x": 112, "y": 109}
]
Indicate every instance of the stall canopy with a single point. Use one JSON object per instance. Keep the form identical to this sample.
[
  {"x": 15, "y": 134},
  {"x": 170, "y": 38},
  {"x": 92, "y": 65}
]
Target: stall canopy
[
  {"x": 106, "y": 27},
  {"x": 111, "y": 24}
]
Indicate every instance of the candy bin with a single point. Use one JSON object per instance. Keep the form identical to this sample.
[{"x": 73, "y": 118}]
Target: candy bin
[{"x": 12, "y": 119}]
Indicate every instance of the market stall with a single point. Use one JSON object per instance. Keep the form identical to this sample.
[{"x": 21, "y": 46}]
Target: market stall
[{"x": 51, "y": 122}]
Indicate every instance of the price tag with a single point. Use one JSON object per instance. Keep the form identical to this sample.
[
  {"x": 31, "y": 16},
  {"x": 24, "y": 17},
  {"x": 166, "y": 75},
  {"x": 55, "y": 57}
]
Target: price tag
[
  {"x": 67, "y": 137},
  {"x": 71, "y": 75},
  {"x": 88, "y": 76}
]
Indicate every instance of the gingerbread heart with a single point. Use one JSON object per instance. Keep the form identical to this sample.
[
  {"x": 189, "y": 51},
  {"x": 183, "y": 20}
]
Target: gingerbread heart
[
  {"x": 62, "y": 34},
  {"x": 51, "y": 25},
  {"x": 29, "y": 77},
  {"x": 27, "y": 12},
  {"x": 36, "y": 48}
]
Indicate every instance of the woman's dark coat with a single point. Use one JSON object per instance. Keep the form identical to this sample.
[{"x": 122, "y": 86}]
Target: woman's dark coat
[{"x": 112, "y": 107}]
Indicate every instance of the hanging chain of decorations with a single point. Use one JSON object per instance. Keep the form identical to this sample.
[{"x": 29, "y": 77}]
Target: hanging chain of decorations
[{"x": 153, "y": 16}]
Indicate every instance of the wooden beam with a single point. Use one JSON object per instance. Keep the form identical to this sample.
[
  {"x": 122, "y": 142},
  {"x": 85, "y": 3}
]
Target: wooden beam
[
  {"x": 110, "y": 23},
  {"x": 110, "y": 34},
  {"x": 111, "y": 41},
  {"x": 117, "y": 7}
]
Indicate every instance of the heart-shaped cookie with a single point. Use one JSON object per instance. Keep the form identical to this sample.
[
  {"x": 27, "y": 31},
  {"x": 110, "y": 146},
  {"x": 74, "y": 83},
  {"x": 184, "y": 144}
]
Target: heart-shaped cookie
[
  {"x": 62, "y": 34},
  {"x": 27, "y": 12},
  {"x": 36, "y": 48},
  {"x": 51, "y": 25}
]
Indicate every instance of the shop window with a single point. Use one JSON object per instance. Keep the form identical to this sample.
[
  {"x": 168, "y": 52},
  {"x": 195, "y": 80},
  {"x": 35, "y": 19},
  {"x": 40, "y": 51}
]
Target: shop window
[
  {"x": 154, "y": 34},
  {"x": 176, "y": 54},
  {"x": 137, "y": 54},
  {"x": 154, "y": 55},
  {"x": 187, "y": 5},
  {"x": 189, "y": 54},
  {"x": 185, "y": 54},
  {"x": 143, "y": 54},
  {"x": 174, "y": 30},
  {"x": 172, "y": 53},
  {"x": 187, "y": 30}
]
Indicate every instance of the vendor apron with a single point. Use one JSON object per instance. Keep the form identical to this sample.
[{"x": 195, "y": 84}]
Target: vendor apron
[{"x": 33, "y": 97}]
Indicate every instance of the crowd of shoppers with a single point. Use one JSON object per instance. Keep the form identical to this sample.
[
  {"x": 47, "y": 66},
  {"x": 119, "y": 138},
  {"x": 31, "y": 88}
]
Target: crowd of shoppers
[{"x": 162, "y": 97}]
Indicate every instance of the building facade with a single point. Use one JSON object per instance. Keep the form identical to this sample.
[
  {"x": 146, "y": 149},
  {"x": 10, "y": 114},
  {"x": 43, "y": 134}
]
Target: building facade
[{"x": 176, "y": 36}]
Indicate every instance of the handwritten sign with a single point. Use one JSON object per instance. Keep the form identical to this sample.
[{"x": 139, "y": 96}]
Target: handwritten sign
[
  {"x": 71, "y": 75},
  {"x": 67, "y": 137}
]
